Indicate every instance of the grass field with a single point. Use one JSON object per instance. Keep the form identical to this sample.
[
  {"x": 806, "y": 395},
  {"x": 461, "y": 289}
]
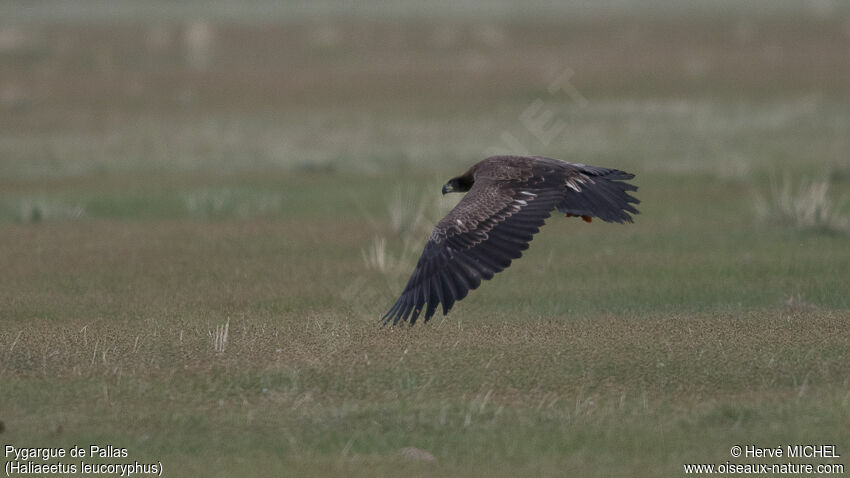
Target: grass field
[{"x": 201, "y": 221}]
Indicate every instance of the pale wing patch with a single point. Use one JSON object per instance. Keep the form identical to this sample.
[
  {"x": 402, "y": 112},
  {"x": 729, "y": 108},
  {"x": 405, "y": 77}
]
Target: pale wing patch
[{"x": 573, "y": 182}]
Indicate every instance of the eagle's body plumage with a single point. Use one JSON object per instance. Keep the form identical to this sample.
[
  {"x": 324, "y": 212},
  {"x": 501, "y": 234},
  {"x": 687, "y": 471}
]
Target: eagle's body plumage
[{"x": 509, "y": 198}]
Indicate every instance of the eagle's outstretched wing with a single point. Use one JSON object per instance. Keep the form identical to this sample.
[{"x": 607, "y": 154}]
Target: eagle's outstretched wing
[{"x": 495, "y": 221}]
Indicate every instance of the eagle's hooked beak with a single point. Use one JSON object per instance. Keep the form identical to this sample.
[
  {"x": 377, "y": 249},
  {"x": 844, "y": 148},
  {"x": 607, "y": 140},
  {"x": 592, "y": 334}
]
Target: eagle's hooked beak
[{"x": 447, "y": 188}]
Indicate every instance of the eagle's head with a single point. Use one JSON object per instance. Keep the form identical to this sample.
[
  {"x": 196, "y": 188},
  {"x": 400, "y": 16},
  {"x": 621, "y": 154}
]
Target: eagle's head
[{"x": 460, "y": 184}]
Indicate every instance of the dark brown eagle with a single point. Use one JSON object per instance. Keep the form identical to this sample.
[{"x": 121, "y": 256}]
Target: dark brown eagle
[{"x": 508, "y": 200}]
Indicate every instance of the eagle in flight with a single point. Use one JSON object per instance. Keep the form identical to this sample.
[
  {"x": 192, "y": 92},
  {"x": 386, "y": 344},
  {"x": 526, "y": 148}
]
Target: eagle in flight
[{"x": 508, "y": 199}]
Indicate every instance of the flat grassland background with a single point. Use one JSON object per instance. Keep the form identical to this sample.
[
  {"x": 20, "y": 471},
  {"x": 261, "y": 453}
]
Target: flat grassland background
[{"x": 206, "y": 206}]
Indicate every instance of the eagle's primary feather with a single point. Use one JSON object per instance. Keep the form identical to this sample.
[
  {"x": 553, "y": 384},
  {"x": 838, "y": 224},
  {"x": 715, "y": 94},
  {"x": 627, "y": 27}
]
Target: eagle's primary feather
[{"x": 509, "y": 198}]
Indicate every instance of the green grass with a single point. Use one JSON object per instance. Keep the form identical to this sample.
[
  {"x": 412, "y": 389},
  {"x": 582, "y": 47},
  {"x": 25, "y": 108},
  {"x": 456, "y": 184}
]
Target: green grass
[
  {"x": 144, "y": 205},
  {"x": 606, "y": 349},
  {"x": 332, "y": 394}
]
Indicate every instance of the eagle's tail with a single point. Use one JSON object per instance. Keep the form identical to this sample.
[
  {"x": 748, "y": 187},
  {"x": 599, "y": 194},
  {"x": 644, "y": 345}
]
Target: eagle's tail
[{"x": 602, "y": 193}]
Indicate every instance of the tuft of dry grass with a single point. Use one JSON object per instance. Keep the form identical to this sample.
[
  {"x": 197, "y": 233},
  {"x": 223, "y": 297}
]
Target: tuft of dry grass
[
  {"x": 220, "y": 337},
  {"x": 35, "y": 210},
  {"x": 224, "y": 202},
  {"x": 805, "y": 205},
  {"x": 411, "y": 217}
]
